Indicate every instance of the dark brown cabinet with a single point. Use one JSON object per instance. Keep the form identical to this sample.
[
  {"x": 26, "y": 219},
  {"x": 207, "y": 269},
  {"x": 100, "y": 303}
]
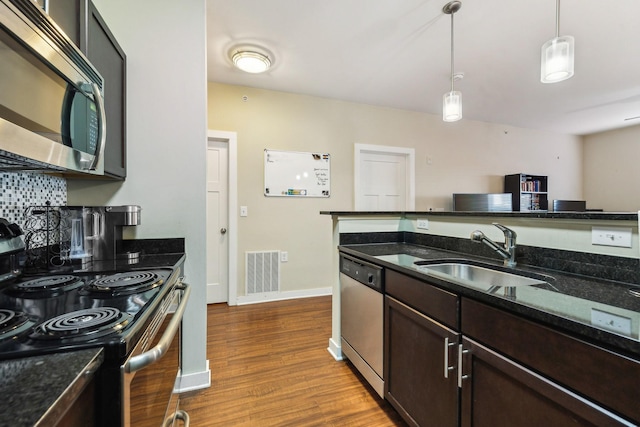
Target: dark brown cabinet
[
  {"x": 81, "y": 22},
  {"x": 421, "y": 341},
  {"x": 499, "y": 392},
  {"x": 592, "y": 373},
  {"x": 451, "y": 361},
  {"x": 417, "y": 383},
  {"x": 107, "y": 56}
]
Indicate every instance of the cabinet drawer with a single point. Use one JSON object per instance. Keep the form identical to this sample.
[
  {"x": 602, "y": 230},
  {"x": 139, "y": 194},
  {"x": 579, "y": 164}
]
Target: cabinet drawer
[
  {"x": 608, "y": 378},
  {"x": 439, "y": 304}
]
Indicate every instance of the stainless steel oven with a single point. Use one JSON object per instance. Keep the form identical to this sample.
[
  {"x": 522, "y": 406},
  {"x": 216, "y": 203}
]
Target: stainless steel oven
[
  {"x": 149, "y": 374},
  {"x": 133, "y": 313}
]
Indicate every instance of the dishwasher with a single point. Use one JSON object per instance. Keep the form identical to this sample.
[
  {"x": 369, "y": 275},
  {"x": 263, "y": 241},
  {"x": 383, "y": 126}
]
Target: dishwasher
[{"x": 361, "y": 318}]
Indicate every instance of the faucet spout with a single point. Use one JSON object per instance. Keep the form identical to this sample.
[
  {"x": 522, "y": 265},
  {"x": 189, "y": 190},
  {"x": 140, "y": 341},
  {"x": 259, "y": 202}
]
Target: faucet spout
[{"x": 508, "y": 251}]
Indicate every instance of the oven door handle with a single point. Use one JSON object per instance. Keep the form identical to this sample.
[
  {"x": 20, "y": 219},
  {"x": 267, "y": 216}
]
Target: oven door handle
[{"x": 151, "y": 356}]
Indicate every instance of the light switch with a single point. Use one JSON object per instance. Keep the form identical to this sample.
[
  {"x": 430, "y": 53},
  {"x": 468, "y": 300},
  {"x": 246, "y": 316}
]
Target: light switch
[{"x": 244, "y": 211}]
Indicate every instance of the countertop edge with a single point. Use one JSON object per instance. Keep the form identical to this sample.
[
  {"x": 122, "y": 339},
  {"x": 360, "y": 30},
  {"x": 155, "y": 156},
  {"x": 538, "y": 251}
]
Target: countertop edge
[
  {"x": 62, "y": 404},
  {"x": 610, "y": 216}
]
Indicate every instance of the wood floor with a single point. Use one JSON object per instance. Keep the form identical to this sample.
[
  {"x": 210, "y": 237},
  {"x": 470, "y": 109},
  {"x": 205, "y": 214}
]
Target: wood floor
[{"x": 270, "y": 367}]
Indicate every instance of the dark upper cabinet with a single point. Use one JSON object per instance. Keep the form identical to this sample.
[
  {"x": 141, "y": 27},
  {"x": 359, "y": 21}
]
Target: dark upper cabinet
[
  {"x": 82, "y": 23},
  {"x": 107, "y": 56}
]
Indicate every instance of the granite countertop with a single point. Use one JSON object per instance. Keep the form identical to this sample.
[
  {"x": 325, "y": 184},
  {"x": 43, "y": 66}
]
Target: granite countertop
[
  {"x": 589, "y": 215},
  {"x": 38, "y": 390},
  {"x": 567, "y": 303},
  {"x": 142, "y": 262}
]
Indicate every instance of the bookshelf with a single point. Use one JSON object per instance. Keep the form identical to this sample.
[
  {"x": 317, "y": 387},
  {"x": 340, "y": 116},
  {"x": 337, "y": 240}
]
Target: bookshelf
[{"x": 528, "y": 192}]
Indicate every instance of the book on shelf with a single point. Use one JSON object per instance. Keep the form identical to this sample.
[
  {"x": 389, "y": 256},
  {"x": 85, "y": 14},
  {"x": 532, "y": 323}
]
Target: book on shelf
[{"x": 531, "y": 185}]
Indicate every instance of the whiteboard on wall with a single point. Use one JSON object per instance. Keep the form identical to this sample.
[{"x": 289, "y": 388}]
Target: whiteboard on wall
[{"x": 296, "y": 174}]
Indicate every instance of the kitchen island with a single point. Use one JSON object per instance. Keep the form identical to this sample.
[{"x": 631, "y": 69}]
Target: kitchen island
[{"x": 556, "y": 328}]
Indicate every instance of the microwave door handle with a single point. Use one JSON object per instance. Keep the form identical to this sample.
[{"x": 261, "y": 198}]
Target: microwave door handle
[
  {"x": 102, "y": 127},
  {"x": 150, "y": 356}
]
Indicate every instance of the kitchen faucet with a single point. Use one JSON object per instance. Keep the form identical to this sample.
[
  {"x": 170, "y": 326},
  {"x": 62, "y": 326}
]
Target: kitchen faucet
[{"x": 508, "y": 252}]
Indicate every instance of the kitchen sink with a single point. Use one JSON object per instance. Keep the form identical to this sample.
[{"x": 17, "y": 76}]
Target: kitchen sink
[{"x": 476, "y": 276}]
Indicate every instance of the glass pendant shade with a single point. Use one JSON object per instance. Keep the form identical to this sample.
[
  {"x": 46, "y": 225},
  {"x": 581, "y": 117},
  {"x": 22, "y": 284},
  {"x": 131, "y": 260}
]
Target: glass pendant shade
[
  {"x": 556, "y": 63},
  {"x": 452, "y": 106}
]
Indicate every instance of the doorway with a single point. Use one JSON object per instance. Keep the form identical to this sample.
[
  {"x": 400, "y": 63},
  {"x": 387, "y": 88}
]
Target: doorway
[
  {"x": 221, "y": 202},
  {"x": 384, "y": 178}
]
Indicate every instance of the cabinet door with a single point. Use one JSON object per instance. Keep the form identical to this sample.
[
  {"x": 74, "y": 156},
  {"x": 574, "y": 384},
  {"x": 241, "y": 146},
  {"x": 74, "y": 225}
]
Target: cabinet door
[
  {"x": 498, "y": 392},
  {"x": 107, "y": 56},
  {"x": 420, "y": 376}
]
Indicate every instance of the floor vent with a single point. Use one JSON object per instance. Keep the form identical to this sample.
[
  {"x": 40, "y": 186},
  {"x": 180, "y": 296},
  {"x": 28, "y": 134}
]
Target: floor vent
[{"x": 262, "y": 272}]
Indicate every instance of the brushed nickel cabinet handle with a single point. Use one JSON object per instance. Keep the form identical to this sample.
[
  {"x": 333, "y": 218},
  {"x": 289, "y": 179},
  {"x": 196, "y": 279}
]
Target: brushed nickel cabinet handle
[
  {"x": 460, "y": 376},
  {"x": 447, "y": 368}
]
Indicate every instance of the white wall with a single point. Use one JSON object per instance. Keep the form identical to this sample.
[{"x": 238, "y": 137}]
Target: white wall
[
  {"x": 466, "y": 157},
  {"x": 166, "y": 134},
  {"x": 611, "y": 170}
]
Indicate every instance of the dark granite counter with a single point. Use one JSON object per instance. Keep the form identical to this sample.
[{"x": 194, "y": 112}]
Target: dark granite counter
[
  {"x": 139, "y": 255},
  {"x": 38, "y": 390},
  {"x": 567, "y": 303},
  {"x": 610, "y": 216}
]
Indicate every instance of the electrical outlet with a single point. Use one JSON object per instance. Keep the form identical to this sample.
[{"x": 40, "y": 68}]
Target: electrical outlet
[
  {"x": 611, "y": 236},
  {"x": 284, "y": 256},
  {"x": 611, "y": 322},
  {"x": 423, "y": 224}
]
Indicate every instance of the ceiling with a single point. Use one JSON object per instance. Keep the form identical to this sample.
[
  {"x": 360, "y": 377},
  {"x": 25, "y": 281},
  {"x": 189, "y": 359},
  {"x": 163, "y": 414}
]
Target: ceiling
[{"x": 396, "y": 53}]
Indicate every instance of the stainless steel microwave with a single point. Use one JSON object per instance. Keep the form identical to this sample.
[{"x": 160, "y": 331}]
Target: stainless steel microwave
[{"x": 52, "y": 113}]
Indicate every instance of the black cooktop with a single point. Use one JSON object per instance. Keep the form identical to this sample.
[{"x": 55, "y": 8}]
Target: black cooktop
[{"x": 57, "y": 312}]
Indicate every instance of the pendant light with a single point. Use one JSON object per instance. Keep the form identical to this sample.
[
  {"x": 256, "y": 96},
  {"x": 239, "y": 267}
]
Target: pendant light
[
  {"x": 452, "y": 101},
  {"x": 556, "y": 63}
]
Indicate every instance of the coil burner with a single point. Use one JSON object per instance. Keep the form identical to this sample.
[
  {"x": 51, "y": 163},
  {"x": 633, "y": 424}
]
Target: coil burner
[
  {"x": 13, "y": 323},
  {"x": 85, "y": 324},
  {"x": 45, "y": 286},
  {"x": 125, "y": 283}
]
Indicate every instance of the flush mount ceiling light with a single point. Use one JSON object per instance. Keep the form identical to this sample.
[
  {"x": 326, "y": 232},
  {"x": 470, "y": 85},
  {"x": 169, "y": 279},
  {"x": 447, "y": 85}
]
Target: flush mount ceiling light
[
  {"x": 557, "y": 55},
  {"x": 452, "y": 101},
  {"x": 250, "y": 59}
]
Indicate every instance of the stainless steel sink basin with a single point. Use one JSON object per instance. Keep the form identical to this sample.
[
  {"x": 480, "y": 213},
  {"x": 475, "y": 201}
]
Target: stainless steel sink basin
[{"x": 478, "y": 277}]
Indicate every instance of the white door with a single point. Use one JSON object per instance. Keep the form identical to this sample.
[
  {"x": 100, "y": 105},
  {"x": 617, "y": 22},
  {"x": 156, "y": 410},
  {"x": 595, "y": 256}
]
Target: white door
[
  {"x": 217, "y": 221},
  {"x": 384, "y": 178}
]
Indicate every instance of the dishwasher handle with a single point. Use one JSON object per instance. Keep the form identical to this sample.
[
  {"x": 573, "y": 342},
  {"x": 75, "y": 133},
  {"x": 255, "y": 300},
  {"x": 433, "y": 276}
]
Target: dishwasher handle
[{"x": 151, "y": 356}]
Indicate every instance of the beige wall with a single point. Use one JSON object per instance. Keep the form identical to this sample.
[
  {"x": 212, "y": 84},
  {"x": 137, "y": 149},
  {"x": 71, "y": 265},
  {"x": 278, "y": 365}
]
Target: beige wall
[
  {"x": 611, "y": 170},
  {"x": 466, "y": 156}
]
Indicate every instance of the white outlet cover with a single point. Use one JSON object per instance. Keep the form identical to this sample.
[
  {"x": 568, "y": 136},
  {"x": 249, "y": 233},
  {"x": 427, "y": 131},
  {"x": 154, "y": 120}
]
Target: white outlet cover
[
  {"x": 611, "y": 322},
  {"x": 611, "y": 236},
  {"x": 423, "y": 224}
]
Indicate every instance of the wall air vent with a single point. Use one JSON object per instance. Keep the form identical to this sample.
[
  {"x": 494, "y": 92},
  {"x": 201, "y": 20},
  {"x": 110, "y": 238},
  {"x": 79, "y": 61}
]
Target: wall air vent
[{"x": 262, "y": 272}]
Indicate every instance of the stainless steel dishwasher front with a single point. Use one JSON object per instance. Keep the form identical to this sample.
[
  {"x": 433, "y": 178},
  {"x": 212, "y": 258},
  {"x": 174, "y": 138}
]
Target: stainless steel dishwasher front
[{"x": 362, "y": 314}]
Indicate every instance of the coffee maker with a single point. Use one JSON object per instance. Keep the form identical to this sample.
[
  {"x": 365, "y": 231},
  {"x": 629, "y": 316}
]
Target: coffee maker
[{"x": 95, "y": 232}]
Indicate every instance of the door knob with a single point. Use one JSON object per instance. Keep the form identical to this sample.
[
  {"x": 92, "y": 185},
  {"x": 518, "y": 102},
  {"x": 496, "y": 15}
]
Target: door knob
[{"x": 223, "y": 231}]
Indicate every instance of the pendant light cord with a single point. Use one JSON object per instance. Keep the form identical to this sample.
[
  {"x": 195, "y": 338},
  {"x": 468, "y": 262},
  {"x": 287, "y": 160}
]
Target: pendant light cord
[
  {"x": 452, "y": 52},
  {"x": 557, "y": 18}
]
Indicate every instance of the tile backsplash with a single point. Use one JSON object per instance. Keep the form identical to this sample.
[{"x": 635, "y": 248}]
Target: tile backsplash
[{"x": 20, "y": 190}]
